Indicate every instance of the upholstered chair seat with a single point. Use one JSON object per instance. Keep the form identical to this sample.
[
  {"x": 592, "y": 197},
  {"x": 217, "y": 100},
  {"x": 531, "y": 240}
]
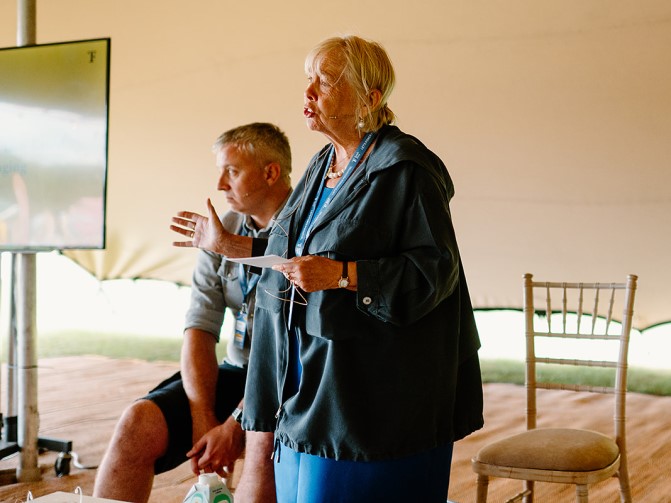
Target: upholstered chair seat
[{"x": 556, "y": 449}]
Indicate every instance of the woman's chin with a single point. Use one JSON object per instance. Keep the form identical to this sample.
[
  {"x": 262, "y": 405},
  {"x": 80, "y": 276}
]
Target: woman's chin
[{"x": 317, "y": 126}]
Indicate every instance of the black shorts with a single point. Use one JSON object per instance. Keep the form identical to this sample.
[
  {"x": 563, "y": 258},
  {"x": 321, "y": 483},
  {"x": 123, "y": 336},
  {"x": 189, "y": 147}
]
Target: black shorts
[{"x": 171, "y": 399}]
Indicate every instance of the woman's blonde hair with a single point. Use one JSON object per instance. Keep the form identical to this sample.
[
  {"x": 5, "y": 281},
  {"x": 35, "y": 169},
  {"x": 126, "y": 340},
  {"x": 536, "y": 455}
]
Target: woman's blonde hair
[{"x": 367, "y": 68}]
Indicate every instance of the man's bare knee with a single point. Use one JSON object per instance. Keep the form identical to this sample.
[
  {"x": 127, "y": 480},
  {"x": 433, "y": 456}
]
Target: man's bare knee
[{"x": 141, "y": 431}]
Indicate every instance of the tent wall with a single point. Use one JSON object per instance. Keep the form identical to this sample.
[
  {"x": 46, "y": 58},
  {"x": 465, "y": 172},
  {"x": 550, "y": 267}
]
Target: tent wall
[{"x": 553, "y": 117}]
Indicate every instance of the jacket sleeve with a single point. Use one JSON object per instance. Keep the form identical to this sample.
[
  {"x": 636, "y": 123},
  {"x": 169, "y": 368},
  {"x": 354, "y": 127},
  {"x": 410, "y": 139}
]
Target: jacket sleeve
[{"x": 405, "y": 285}]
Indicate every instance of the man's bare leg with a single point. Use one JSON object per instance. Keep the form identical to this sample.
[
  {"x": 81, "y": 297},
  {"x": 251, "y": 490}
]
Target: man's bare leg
[
  {"x": 126, "y": 472},
  {"x": 257, "y": 482}
]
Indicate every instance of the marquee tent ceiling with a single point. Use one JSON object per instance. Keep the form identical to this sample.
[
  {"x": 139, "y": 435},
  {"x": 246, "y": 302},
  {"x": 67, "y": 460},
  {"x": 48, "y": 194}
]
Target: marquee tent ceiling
[{"x": 553, "y": 117}]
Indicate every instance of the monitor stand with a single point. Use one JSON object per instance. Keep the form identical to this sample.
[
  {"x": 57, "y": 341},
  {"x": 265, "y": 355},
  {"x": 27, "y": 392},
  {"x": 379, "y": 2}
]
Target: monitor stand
[{"x": 9, "y": 445}]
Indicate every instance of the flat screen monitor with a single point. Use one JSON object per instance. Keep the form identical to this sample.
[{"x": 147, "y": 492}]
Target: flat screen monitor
[{"x": 54, "y": 117}]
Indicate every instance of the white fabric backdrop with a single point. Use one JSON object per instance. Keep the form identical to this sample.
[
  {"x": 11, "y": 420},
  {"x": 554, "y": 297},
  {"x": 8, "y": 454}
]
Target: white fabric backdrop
[{"x": 553, "y": 117}]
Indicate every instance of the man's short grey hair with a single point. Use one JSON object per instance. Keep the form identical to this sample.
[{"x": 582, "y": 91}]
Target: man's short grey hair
[{"x": 266, "y": 142}]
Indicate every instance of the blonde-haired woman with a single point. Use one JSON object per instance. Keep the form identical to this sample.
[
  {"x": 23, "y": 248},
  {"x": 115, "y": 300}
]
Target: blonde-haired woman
[{"x": 364, "y": 364}]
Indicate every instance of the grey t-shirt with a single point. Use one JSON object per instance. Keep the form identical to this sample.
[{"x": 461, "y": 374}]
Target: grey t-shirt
[{"x": 216, "y": 289}]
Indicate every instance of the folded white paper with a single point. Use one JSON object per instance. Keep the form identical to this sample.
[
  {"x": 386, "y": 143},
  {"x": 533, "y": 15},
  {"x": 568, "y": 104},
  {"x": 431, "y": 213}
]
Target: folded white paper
[{"x": 262, "y": 261}]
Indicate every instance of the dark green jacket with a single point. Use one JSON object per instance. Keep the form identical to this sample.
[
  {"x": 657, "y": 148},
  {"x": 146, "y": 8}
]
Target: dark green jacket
[{"x": 389, "y": 370}]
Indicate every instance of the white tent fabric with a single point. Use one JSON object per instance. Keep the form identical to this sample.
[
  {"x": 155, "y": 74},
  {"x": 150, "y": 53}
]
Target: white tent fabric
[{"x": 553, "y": 117}]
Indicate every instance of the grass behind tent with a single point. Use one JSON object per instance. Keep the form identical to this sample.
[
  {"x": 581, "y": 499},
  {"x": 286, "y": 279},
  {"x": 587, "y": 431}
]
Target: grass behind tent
[
  {"x": 113, "y": 345},
  {"x": 652, "y": 382},
  {"x": 156, "y": 348}
]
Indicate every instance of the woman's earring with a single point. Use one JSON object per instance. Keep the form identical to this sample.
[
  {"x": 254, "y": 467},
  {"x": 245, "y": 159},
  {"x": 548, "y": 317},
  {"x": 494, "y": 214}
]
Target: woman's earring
[{"x": 360, "y": 124}]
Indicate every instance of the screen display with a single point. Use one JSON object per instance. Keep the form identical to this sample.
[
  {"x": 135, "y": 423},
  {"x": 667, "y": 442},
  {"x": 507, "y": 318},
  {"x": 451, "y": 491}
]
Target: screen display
[{"x": 54, "y": 102}]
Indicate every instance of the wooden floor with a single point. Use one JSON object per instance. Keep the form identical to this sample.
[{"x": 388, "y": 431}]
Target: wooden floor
[{"x": 81, "y": 398}]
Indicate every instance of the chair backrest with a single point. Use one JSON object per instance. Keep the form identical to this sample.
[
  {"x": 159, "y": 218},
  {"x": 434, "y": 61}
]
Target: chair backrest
[{"x": 578, "y": 319}]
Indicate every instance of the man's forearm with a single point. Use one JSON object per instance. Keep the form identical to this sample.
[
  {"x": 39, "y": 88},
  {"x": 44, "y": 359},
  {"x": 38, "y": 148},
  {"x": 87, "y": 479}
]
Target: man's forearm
[
  {"x": 199, "y": 370},
  {"x": 235, "y": 246}
]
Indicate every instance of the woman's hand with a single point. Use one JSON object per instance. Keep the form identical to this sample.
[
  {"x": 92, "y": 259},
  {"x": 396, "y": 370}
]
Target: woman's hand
[
  {"x": 204, "y": 232},
  {"x": 312, "y": 273}
]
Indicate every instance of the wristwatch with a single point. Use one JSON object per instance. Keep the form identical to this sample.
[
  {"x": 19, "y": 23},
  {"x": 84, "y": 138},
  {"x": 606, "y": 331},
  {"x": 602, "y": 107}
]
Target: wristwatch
[
  {"x": 343, "y": 282},
  {"x": 237, "y": 415}
]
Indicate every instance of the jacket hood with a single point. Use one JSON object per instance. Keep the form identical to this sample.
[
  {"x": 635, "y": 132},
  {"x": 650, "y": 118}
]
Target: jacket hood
[{"x": 394, "y": 146}]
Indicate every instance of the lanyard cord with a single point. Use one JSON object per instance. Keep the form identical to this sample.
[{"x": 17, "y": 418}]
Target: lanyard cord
[
  {"x": 316, "y": 209},
  {"x": 246, "y": 285}
]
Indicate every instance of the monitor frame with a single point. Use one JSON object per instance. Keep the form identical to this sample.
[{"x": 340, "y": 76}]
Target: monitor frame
[{"x": 53, "y": 185}]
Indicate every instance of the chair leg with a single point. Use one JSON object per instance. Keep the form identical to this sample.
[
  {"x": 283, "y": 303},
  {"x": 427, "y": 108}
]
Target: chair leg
[
  {"x": 528, "y": 491},
  {"x": 483, "y": 486},
  {"x": 581, "y": 493},
  {"x": 625, "y": 490}
]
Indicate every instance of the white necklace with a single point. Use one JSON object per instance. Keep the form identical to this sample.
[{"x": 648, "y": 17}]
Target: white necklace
[{"x": 334, "y": 174}]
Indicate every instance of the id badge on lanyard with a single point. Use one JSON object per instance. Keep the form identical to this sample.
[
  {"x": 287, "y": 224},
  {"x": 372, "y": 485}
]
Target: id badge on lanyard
[
  {"x": 240, "y": 333},
  {"x": 242, "y": 318}
]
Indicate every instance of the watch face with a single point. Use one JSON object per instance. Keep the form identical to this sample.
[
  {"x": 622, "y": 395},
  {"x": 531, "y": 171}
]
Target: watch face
[{"x": 343, "y": 282}]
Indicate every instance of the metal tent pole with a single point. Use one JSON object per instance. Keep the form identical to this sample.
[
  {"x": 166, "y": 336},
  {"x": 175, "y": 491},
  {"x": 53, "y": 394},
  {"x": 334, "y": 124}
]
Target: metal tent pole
[
  {"x": 26, "y": 22},
  {"x": 28, "y": 469},
  {"x": 12, "y": 337},
  {"x": 8, "y": 444},
  {"x": 8, "y": 441}
]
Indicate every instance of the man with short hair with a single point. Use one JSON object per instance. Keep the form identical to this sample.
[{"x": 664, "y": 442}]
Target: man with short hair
[{"x": 190, "y": 415}]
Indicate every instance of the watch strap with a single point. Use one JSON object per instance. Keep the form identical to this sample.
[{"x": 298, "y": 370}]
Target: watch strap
[
  {"x": 237, "y": 415},
  {"x": 343, "y": 282}
]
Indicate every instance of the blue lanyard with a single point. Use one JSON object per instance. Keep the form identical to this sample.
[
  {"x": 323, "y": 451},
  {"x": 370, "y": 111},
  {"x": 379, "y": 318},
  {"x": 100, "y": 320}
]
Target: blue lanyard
[
  {"x": 316, "y": 208},
  {"x": 245, "y": 285}
]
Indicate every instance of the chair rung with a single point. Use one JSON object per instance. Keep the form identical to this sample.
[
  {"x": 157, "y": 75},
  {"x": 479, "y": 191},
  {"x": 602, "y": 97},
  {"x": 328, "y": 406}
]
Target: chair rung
[
  {"x": 575, "y": 387},
  {"x": 584, "y": 286},
  {"x": 578, "y": 363},
  {"x": 565, "y": 335},
  {"x": 519, "y": 496}
]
